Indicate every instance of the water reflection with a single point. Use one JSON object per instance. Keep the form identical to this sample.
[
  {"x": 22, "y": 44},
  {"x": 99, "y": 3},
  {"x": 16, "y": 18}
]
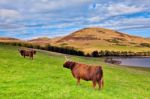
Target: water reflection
[{"x": 133, "y": 61}]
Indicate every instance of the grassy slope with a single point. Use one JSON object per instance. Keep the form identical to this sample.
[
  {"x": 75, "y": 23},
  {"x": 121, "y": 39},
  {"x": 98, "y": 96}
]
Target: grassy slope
[
  {"x": 103, "y": 46},
  {"x": 91, "y": 39},
  {"x": 45, "y": 78}
]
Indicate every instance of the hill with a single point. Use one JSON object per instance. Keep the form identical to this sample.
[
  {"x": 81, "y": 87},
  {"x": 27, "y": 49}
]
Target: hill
[
  {"x": 90, "y": 39},
  {"x": 8, "y": 39},
  {"x": 44, "y": 77},
  {"x": 102, "y": 34},
  {"x": 44, "y": 40}
]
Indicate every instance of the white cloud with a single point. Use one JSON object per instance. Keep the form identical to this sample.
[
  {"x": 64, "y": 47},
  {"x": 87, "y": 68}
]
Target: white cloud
[
  {"x": 50, "y": 5},
  {"x": 9, "y": 13},
  {"x": 123, "y": 23},
  {"x": 94, "y": 19},
  {"x": 38, "y": 15},
  {"x": 118, "y": 9},
  {"x": 128, "y": 23},
  {"x": 121, "y": 8}
]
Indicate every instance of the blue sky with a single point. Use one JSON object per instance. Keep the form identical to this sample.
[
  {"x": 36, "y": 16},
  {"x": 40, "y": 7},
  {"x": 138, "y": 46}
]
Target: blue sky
[{"x": 28, "y": 19}]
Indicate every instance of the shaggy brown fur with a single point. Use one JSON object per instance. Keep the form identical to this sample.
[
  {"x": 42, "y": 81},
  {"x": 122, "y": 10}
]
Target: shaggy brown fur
[
  {"x": 86, "y": 72},
  {"x": 29, "y": 53}
]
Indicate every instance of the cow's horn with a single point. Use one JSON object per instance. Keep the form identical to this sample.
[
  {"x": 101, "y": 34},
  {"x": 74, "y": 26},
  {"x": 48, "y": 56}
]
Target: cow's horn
[{"x": 66, "y": 58}]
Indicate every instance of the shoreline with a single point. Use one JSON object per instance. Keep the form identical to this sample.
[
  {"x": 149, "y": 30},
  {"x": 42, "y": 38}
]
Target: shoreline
[
  {"x": 127, "y": 57},
  {"x": 142, "y": 62}
]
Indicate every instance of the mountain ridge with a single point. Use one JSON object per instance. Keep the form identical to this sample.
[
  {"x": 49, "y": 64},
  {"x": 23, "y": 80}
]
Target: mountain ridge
[
  {"x": 94, "y": 38},
  {"x": 90, "y": 39}
]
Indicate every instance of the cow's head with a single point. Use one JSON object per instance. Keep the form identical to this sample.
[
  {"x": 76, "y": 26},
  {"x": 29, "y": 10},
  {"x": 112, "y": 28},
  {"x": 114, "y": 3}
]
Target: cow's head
[
  {"x": 69, "y": 64},
  {"x": 34, "y": 51},
  {"x": 21, "y": 51}
]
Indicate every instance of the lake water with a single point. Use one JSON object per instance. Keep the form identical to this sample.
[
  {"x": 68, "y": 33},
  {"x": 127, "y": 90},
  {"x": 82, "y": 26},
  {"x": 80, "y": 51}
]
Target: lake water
[{"x": 140, "y": 62}]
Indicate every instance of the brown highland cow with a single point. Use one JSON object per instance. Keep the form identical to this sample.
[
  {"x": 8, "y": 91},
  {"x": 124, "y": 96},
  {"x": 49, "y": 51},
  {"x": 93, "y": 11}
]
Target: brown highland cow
[
  {"x": 29, "y": 53},
  {"x": 86, "y": 72}
]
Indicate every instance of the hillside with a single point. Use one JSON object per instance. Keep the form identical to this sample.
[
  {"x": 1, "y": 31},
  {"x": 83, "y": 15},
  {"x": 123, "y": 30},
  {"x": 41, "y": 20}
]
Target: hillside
[
  {"x": 44, "y": 40},
  {"x": 102, "y": 34},
  {"x": 44, "y": 77},
  {"x": 90, "y": 39},
  {"x": 8, "y": 39}
]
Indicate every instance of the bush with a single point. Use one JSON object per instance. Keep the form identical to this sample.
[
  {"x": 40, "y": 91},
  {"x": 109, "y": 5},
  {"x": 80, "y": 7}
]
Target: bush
[
  {"x": 95, "y": 54},
  {"x": 145, "y": 44}
]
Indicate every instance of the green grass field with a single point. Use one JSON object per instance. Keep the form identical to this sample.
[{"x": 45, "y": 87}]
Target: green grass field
[{"x": 45, "y": 78}]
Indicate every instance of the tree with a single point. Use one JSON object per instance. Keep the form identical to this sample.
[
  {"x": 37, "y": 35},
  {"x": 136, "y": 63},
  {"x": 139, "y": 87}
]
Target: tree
[{"x": 95, "y": 54}]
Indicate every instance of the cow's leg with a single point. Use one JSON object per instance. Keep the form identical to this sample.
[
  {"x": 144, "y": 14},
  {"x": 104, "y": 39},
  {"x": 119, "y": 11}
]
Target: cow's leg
[
  {"x": 100, "y": 83},
  {"x": 78, "y": 80},
  {"x": 31, "y": 57},
  {"x": 94, "y": 83}
]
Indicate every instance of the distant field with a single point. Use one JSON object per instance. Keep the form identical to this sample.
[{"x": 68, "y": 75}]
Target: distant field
[
  {"x": 45, "y": 78},
  {"x": 103, "y": 46}
]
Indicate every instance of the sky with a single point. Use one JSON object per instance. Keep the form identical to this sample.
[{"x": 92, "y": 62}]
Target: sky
[{"x": 29, "y": 19}]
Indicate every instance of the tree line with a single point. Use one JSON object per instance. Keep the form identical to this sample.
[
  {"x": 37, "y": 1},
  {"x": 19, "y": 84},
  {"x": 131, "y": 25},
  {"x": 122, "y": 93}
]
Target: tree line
[
  {"x": 119, "y": 53},
  {"x": 73, "y": 51},
  {"x": 70, "y": 51}
]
